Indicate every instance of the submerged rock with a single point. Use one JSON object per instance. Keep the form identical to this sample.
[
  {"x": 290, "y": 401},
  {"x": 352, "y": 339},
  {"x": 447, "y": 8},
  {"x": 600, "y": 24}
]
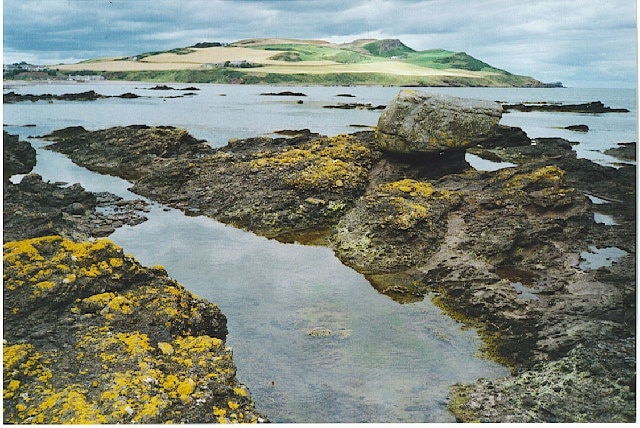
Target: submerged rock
[{"x": 424, "y": 123}]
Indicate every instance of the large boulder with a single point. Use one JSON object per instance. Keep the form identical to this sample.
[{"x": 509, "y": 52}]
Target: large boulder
[{"x": 424, "y": 123}]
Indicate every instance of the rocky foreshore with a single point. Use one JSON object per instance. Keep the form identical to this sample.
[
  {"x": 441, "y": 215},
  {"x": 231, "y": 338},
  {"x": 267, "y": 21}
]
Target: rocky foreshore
[
  {"x": 13, "y": 97},
  {"x": 590, "y": 107},
  {"x": 512, "y": 252},
  {"x": 90, "y": 335}
]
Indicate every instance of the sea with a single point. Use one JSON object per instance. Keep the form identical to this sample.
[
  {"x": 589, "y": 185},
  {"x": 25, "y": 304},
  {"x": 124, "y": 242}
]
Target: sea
[{"x": 311, "y": 338}]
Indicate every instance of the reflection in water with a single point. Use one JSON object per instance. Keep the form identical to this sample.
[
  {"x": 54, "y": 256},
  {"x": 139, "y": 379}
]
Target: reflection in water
[
  {"x": 368, "y": 359},
  {"x": 312, "y": 339},
  {"x": 600, "y": 257}
]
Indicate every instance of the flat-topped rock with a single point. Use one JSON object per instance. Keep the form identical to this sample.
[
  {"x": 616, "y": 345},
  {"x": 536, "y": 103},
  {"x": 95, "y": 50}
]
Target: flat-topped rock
[{"x": 424, "y": 123}]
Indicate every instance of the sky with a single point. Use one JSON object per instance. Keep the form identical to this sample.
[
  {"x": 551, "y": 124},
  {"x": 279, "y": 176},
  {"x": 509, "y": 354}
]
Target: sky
[{"x": 583, "y": 43}]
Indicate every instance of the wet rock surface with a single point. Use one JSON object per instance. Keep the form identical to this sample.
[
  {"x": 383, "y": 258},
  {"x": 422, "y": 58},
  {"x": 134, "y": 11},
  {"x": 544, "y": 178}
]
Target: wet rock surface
[
  {"x": 90, "y": 335},
  {"x": 624, "y": 151},
  {"x": 18, "y": 157},
  {"x": 500, "y": 250}
]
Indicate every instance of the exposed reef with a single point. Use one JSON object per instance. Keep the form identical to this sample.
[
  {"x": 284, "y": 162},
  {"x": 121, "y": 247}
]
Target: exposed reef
[
  {"x": 352, "y": 106},
  {"x": 591, "y": 107},
  {"x": 577, "y": 128},
  {"x": 90, "y": 335},
  {"x": 12, "y": 97},
  {"x": 284, "y": 94},
  {"x": 505, "y": 250},
  {"x": 624, "y": 151}
]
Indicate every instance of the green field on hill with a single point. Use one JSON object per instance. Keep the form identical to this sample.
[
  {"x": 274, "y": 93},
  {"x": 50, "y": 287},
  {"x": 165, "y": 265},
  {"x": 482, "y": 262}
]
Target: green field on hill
[{"x": 304, "y": 62}]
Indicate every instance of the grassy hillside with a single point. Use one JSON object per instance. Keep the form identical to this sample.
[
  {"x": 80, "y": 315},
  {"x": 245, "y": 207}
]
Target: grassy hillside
[
  {"x": 307, "y": 52},
  {"x": 317, "y": 62}
]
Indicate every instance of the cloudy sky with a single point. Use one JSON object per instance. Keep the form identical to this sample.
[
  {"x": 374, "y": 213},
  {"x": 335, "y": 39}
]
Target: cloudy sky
[{"x": 583, "y": 43}]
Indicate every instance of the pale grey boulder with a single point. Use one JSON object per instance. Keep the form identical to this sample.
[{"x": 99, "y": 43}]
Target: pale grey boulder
[{"x": 417, "y": 122}]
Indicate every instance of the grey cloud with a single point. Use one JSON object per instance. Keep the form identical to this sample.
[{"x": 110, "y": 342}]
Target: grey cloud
[{"x": 548, "y": 39}]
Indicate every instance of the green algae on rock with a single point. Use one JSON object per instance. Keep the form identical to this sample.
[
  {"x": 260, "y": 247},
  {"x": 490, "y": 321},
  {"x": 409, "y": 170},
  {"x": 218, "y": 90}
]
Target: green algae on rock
[{"x": 91, "y": 336}]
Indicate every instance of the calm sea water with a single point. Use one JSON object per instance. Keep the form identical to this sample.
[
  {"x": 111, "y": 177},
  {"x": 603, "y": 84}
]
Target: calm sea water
[{"x": 382, "y": 362}]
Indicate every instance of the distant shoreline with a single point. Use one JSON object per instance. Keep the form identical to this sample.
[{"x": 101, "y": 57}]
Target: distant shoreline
[{"x": 367, "y": 62}]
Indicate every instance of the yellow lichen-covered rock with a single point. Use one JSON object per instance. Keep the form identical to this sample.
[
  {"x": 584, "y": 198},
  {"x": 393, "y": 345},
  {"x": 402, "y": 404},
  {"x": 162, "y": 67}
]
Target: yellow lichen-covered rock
[
  {"x": 394, "y": 225},
  {"x": 120, "y": 343},
  {"x": 322, "y": 163},
  {"x": 411, "y": 200},
  {"x": 543, "y": 187}
]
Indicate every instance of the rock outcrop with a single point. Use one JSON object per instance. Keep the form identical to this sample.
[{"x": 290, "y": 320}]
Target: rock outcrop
[
  {"x": 502, "y": 250},
  {"x": 90, "y": 335},
  {"x": 591, "y": 107},
  {"x": 12, "y": 97},
  {"x": 93, "y": 337},
  {"x": 33, "y": 208},
  {"x": 420, "y": 123},
  {"x": 18, "y": 157},
  {"x": 276, "y": 187},
  {"x": 129, "y": 151}
]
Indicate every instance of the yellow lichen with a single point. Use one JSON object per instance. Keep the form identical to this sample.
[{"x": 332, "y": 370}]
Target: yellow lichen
[
  {"x": 166, "y": 348},
  {"x": 409, "y": 187},
  {"x": 547, "y": 175},
  {"x": 328, "y": 173},
  {"x": 240, "y": 391},
  {"x": 411, "y": 200},
  {"x": 185, "y": 389},
  {"x": 324, "y": 163},
  {"x": 118, "y": 376}
]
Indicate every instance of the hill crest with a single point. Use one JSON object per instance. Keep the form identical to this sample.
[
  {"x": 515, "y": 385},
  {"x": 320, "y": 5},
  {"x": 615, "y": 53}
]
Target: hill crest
[{"x": 295, "y": 61}]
